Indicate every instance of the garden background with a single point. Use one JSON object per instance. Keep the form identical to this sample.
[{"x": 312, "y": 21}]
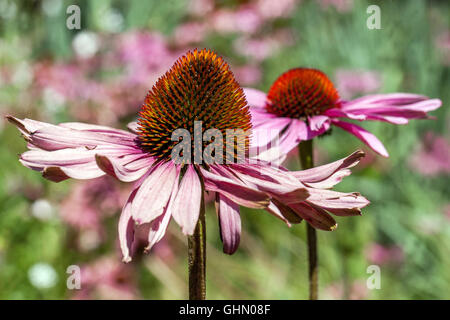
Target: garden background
[{"x": 101, "y": 73}]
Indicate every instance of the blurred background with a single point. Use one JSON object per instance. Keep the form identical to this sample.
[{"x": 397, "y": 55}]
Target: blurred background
[{"x": 101, "y": 73}]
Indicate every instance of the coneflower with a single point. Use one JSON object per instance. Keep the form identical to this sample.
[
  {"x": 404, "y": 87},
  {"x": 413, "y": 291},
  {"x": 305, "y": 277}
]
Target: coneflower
[
  {"x": 302, "y": 104},
  {"x": 199, "y": 101}
]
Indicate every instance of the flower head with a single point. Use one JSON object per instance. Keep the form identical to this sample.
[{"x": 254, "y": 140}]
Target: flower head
[
  {"x": 199, "y": 88},
  {"x": 303, "y": 103}
]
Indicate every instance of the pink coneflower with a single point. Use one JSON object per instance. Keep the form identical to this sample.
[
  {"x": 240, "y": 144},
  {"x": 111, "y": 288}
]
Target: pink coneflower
[
  {"x": 199, "y": 88},
  {"x": 303, "y": 103}
]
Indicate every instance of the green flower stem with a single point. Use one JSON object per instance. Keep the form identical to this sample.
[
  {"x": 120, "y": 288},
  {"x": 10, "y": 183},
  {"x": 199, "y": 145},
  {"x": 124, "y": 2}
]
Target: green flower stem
[
  {"x": 305, "y": 149},
  {"x": 197, "y": 257}
]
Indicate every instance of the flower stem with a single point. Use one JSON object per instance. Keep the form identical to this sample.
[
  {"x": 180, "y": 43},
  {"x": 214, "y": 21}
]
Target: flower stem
[
  {"x": 307, "y": 161},
  {"x": 197, "y": 257}
]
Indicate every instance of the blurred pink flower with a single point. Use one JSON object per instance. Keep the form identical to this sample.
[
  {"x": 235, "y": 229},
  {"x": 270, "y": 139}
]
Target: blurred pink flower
[
  {"x": 259, "y": 49},
  {"x": 431, "y": 157},
  {"x": 352, "y": 82},
  {"x": 446, "y": 211},
  {"x": 380, "y": 255},
  {"x": 245, "y": 20},
  {"x": 358, "y": 290},
  {"x": 339, "y": 5},
  {"x": 276, "y": 9},
  {"x": 107, "y": 279},
  {"x": 190, "y": 33},
  {"x": 200, "y": 7},
  {"x": 86, "y": 207},
  {"x": 145, "y": 55},
  {"x": 248, "y": 75},
  {"x": 90, "y": 201},
  {"x": 442, "y": 43}
]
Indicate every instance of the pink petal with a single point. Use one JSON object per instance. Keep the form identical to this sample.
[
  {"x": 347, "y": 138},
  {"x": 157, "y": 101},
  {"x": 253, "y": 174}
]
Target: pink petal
[
  {"x": 133, "y": 127},
  {"x": 315, "y": 216},
  {"x": 273, "y": 183},
  {"x": 154, "y": 194},
  {"x": 329, "y": 174},
  {"x": 364, "y": 135},
  {"x": 304, "y": 132},
  {"x": 316, "y": 123},
  {"x": 126, "y": 229},
  {"x": 255, "y": 98},
  {"x": 229, "y": 222},
  {"x": 276, "y": 212},
  {"x": 159, "y": 226},
  {"x": 331, "y": 200},
  {"x": 97, "y": 129},
  {"x": 27, "y": 126},
  {"x": 57, "y": 137},
  {"x": 267, "y": 131},
  {"x": 286, "y": 212},
  {"x": 129, "y": 167},
  {"x": 186, "y": 208},
  {"x": 236, "y": 192},
  {"x": 77, "y": 163},
  {"x": 395, "y": 108}
]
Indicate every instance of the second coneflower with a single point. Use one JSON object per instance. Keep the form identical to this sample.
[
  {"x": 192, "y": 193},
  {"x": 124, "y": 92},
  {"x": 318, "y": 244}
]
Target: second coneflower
[
  {"x": 188, "y": 125},
  {"x": 302, "y": 104}
]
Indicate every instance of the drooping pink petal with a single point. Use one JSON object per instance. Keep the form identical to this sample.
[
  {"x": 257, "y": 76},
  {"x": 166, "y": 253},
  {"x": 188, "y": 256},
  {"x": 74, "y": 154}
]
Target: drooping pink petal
[
  {"x": 27, "y": 126},
  {"x": 68, "y": 150},
  {"x": 338, "y": 202},
  {"x": 159, "y": 226},
  {"x": 186, "y": 207},
  {"x": 127, "y": 168},
  {"x": 364, "y": 135},
  {"x": 126, "y": 228},
  {"x": 276, "y": 212},
  {"x": 328, "y": 175},
  {"x": 315, "y": 216},
  {"x": 236, "y": 192},
  {"x": 62, "y": 164},
  {"x": 272, "y": 182},
  {"x": 229, "y": 222},
  {"x": 287, "y": 214},
  {"x": 154, "y": 194}
]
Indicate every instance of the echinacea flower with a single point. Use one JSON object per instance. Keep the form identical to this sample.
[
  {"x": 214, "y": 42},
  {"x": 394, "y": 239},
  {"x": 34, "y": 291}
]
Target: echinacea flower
[
  {"x": 198, "y": 89},
  {"x": 303, "y": 103}
]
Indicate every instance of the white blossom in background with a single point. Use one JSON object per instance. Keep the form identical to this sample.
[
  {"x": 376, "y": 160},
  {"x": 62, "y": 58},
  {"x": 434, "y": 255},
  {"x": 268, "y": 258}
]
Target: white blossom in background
[
  {"x": 42, "y": 276},
  {"x": 8, "y": 9},
  {"x": 53, "y": 100},
  {"x": 51, "y": 7},
  {"x": 42, "y": 210},
  {"x": 111, "y": 20},
  {"x": 85, "y": 44},
  {"x": 23, "y": 75}
]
